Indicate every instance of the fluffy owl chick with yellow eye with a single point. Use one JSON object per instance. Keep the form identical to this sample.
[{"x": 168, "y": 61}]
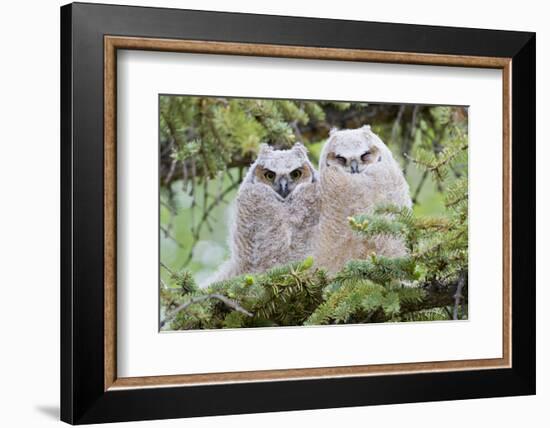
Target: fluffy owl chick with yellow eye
[
  {"x": 357, "y": 173},
  {"x": 276, "y": 212}
]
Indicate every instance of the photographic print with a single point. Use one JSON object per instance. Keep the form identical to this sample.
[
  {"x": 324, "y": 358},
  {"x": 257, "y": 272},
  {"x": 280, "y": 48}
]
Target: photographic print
[
  {"x": 337, "y": 213},
  {"x": 278, "y": 212}
]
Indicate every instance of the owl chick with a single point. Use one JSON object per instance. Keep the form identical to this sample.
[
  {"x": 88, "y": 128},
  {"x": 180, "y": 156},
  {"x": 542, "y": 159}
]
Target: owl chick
[
  {"x": 357, "y": 173},
  {"x": 276, "y": 211}
]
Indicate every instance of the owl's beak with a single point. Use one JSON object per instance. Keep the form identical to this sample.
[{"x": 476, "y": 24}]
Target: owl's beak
[
  {"x": 354, "y": 166},
  {"x": 282, "y": 188}
]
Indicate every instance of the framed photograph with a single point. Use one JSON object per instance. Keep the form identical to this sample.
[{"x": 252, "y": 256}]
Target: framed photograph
[{"x": 266, "y": 213}]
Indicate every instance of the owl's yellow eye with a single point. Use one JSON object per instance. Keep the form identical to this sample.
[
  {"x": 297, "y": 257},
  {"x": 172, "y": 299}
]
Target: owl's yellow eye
[
  {"x": 270, "y": 175},
  {"x": 296, "y": 174}
]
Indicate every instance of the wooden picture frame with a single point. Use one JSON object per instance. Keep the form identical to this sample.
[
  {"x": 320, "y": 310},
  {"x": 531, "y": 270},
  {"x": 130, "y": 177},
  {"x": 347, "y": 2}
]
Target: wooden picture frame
[{"x": 91, "y": 390}]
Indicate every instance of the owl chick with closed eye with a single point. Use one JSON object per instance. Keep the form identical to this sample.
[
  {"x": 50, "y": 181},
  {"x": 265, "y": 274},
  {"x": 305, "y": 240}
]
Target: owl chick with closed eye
[
  {"x": 357, "y": 173},
  {"x": 277, "y": 209}
]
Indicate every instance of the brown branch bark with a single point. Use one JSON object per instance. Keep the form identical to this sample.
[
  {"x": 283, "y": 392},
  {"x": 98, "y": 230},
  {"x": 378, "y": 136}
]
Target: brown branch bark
[{"x": 458, "y": 297}]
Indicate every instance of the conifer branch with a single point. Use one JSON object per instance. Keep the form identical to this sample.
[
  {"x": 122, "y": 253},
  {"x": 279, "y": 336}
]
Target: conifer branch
[
  {"x": 458, "y": 296},
  {"x": 204, "y": 219},
  {"x": 202, "y": 139},
  {"x": 228, "y": 302}
]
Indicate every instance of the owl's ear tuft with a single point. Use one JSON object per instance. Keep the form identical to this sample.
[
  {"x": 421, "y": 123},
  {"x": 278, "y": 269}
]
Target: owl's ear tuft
[
  {"x": 366, "y": 128},
  {"x": 264, "y": 149},
  {"x": 300, "y": 148},
  {"x": 332, "y": 131}
]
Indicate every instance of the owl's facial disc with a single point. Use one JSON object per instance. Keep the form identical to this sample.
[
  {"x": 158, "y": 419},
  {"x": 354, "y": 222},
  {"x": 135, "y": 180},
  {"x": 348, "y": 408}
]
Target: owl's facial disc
[
  {"x": 353, "y": 160},
  {"x": 284, "y": 182}
]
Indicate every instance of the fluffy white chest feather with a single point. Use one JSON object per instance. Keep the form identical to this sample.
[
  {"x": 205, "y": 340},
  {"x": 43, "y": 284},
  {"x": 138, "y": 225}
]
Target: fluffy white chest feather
[
  {"x": 357, "y": 173},
  {"x": 276, "y": 213}
]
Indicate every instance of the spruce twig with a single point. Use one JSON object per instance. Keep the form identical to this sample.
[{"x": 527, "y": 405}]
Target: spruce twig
[{"x": 227, "y": 301}]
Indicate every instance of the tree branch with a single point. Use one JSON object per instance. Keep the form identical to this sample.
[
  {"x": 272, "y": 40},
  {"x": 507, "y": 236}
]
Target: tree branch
[
  {"x": 458, "y": 296},
  {"x": 438, "y": 295},
  {"x": 227, "y": 301},
  {"x": 167, "y": 234},
  {"x": 419, "y": 187},
  {"x": 204, "y": 219},
  {"x": 170, "y": 271}
]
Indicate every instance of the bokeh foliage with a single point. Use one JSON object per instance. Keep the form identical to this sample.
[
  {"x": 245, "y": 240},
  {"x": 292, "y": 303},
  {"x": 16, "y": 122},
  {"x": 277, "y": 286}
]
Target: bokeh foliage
[{"x": 207, "y": 143}]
